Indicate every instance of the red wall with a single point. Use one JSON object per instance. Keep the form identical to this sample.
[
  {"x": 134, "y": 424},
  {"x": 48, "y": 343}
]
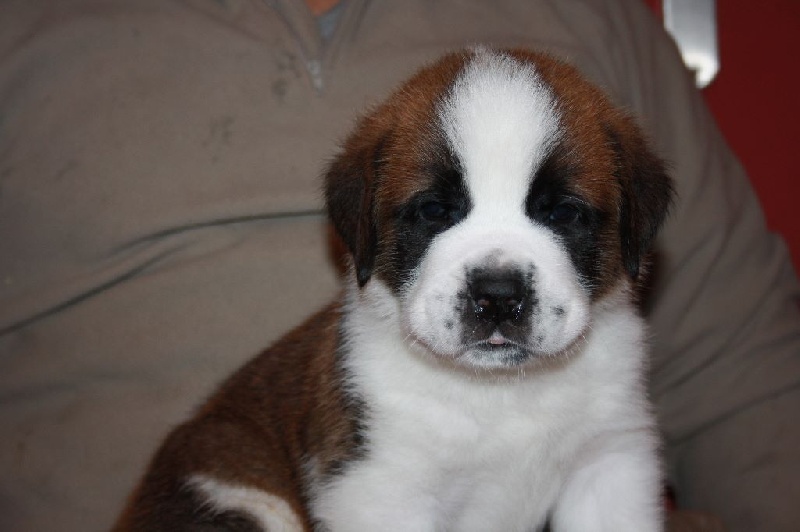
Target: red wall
[{"x": 756, "y": 103}]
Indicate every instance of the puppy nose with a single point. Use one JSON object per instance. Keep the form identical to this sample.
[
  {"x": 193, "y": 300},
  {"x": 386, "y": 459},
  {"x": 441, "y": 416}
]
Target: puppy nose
[{"x": 498, "y": 298}]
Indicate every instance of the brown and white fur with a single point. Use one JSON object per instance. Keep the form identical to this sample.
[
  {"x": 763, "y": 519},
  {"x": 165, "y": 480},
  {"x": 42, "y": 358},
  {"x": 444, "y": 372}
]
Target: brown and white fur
[{"x": 483, "y": 369}]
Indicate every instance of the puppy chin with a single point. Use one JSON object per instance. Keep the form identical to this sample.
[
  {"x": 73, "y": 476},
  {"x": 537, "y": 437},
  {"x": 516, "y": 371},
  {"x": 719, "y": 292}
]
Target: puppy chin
[
  {"x": 492, "y": 357},
  {"x": 495, "y": 354}
]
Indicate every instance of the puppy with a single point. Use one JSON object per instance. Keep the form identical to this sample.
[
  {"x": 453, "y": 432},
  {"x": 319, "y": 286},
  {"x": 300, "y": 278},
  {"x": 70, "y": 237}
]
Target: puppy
[{"x": 483, "y": 370}]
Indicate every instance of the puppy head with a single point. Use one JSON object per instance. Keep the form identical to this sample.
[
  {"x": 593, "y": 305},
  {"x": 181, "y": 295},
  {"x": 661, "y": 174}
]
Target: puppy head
[{"x": 499, "y": 197}]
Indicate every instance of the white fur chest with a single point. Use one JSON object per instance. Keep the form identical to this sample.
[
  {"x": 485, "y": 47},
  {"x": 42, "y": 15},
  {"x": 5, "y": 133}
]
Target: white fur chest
[{"x": 447, "y": 451}]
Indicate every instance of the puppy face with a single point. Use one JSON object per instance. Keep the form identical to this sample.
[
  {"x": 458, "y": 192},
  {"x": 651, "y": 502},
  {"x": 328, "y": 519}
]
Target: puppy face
[{"x": 499, "y": 197}]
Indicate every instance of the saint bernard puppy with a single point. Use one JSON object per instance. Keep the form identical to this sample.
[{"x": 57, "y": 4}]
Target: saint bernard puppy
[{"x": 483, "y": 370}]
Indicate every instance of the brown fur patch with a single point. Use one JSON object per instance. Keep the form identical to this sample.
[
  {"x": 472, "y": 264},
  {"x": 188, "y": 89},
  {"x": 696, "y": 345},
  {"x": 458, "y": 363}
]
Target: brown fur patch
[
  {"x": 258, "y": 430},
  {"x": 618, "y": 171},
  {"x": 385, "y": 161}
]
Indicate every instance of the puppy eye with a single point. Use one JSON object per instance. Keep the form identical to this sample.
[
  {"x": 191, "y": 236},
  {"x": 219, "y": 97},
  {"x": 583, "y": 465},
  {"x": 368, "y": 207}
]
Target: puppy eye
[
  {"x": 434, "y": 211},
  {"x": 564, "y": 214}
]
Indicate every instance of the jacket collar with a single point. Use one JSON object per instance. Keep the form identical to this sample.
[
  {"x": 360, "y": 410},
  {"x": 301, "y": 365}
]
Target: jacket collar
[{"x": 319, "y": 54}]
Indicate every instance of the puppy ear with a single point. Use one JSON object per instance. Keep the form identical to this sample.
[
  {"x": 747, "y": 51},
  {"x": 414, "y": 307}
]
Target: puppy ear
[
  {"x": 646, "y": 188},
  {"x": 350, "y": 198}
]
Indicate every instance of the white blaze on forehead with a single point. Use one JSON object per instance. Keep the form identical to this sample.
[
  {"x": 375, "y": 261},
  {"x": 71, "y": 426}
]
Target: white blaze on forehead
[{"x": 500, "y": 119}]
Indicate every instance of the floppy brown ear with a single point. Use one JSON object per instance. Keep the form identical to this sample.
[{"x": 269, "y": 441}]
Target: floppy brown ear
[
  {"x": 350, "y": 197},
  {"x": 647, "y": 192}
]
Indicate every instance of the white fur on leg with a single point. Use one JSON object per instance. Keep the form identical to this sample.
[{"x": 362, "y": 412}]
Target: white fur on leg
[
  {"x": 616, "y": 492},
  {"x": 272, "y": 513}
]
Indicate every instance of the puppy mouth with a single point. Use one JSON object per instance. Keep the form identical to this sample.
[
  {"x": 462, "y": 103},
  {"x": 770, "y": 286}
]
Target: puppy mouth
[{"x": 496, "y": 351}]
